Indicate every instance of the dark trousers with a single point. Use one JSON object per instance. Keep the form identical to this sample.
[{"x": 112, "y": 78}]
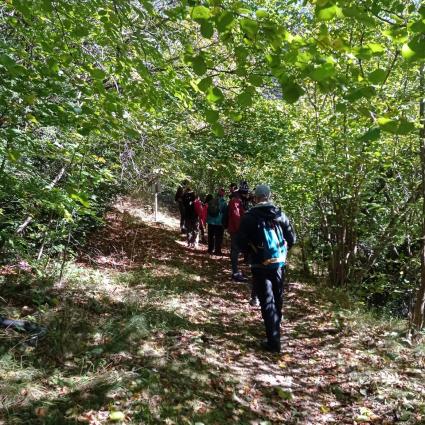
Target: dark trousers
[
  {"x": 202, "y": 230},
  {"x": 182, "y": 218},
  {"x": 215, "y": 238},
  {"x": 234, "y": 253},
  {"x": 268, "y": 285}
]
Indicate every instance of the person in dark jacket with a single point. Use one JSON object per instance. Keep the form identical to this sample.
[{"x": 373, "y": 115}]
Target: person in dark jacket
[
  {"x": 235, "y": 212},
  {"x": 215, "y": 208},
  {"x": 179, "y": 199},
  {"x": 191, "y": 218},
  {"x": 268, "y": 275}
]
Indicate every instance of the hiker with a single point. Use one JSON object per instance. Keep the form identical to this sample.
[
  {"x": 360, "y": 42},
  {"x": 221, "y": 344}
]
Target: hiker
[
  {"x": 191, "y": 218},
  {"x": 179, "y": 199},
  {"x": 232, "y": 188},
  {"x": 235, "y": 211},
  {"x": 201, "y": 212},
  {"x": 266, "y": 233},
  {"x": 250, "y": 202},
  {"x": 216, "y": 206}
]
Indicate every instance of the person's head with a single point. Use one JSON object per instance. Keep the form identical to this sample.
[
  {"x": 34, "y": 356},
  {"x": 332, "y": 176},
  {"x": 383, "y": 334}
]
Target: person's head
[
  {"x": 262, "y": 193},
  {"x": 221, "y": 192},
  {"x": 208, "y": 198},
  {"x": 233, "y": 187},
  {"x": 243, "y": 188},
  {"x": 185, "y": 182}
]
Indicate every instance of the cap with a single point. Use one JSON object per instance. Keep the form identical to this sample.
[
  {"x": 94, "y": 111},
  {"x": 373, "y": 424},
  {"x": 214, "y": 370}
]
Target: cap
[
  {"x": 262, "y": 191},
  {"x": 243, "y": 187}
]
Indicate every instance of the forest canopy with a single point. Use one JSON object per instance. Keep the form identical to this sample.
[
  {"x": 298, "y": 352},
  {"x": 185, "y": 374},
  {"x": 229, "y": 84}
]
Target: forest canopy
[{"x": 323, "y": 100}]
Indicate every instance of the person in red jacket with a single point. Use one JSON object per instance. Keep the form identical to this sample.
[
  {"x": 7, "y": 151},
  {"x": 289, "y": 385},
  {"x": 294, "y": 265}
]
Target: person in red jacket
[
  {"x": 234, "y": 214},
  {"x": 201, "y": 212}
]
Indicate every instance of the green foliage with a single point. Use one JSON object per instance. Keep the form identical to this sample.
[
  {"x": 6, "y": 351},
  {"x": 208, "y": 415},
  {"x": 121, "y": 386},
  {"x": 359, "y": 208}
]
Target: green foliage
[{"x": 98, "y": 97}]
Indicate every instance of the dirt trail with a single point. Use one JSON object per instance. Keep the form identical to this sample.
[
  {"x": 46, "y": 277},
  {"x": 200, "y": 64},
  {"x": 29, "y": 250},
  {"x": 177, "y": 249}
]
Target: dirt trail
[{"x": 166, "y": 337}]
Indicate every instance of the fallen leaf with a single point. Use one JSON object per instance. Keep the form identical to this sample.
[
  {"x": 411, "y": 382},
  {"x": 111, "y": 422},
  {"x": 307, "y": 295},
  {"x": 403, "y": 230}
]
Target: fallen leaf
[
  {"x": 285, "y": 394},
  {"x": 116, "y": 416}
]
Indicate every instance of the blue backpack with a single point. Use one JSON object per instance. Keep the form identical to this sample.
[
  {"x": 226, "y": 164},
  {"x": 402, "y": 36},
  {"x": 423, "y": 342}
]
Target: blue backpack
[{"x": 274, "y": 246}]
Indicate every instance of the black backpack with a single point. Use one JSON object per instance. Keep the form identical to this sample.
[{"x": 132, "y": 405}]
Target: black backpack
[
  {"x": 214, "y": 207},
  {"x": 189, "y": 207}
]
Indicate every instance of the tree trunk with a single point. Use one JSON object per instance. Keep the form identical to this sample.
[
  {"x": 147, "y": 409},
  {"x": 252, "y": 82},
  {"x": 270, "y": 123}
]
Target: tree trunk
[{"x": 419, "y": 310}]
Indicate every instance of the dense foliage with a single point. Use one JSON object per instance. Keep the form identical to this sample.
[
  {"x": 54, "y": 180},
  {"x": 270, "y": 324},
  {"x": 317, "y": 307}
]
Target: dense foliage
[{"x": 323, "y": 100}]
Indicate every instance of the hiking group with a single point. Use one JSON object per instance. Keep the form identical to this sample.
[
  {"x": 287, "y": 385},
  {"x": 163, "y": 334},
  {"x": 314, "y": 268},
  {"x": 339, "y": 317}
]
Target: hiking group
[{"x": 257, "y": 228}]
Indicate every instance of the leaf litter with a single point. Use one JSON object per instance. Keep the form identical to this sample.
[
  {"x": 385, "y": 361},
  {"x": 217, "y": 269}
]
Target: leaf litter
[{"x": 149, "y": 331}]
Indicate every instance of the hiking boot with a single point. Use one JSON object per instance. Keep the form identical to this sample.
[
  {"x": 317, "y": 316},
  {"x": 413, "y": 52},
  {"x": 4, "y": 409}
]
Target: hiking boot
[
  {"x": 239, "y": 277},
  {"x": 271, "y": 348},
  {"x": 254, "y": 302}
]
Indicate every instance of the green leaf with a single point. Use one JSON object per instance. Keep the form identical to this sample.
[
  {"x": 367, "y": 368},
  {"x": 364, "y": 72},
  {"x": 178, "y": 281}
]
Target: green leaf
[
  {"x": 328, "y": 12},
  {"x": 378, "y": 76},
  {"x": 356, "y": 94},
  {"x": 261, "y": 13},
  {"x": 341, "y": 107},
  {"x": 97, "y": 74},
  {"x": 85, "y": 130},
  {"x": 352, "y": 12},
  {"x": 116, "y": 416},
  {"x": 207, "y": 30},
  {"x": 323, "y": 72},
  {"x": 401, "y": 126},
  {"x": 417, "y": 44},
  {"x": 218, "y": 129},
  {"x": 291, "y": 92},
  {"x": 235, "y": 116},
  {"x": 388, "y": 125},
  {"x": 199, "y": 66},
  {"x": 376, "y": 49},
  {"x": 7, "y": 61},
  {"x": 224, "y": 21},
  {"x": 374, "y": 133},
  {"x": 81, "y": 198},
  {"x": 249, "y": 27},
  {"x": 53, "y": 65},
  {"x": 214, "y": 95},
  {"x": 405, "y": 127},
  {"x": 284, "y": 394},
  {"x": 211, "y": 116},
  {"x": 407, "y": 52},
  {"x": 418, "y": 26},
  {"x": 200, "y": 12},
  {"x": 13, "y": 155},
  {"x": 205, "y": 84},
  {"x": 80, "y": 32},
  {"x": 256, "y": 80},
  {"x": 245, "y": 98}
]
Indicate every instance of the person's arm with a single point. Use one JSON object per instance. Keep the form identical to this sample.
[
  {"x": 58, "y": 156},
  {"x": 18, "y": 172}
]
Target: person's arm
[{"x": 288, "y": 231}]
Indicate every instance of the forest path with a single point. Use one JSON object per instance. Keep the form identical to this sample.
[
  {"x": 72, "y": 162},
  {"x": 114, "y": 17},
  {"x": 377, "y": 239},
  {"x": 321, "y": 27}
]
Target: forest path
[{"x": 148, "y": 331}]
